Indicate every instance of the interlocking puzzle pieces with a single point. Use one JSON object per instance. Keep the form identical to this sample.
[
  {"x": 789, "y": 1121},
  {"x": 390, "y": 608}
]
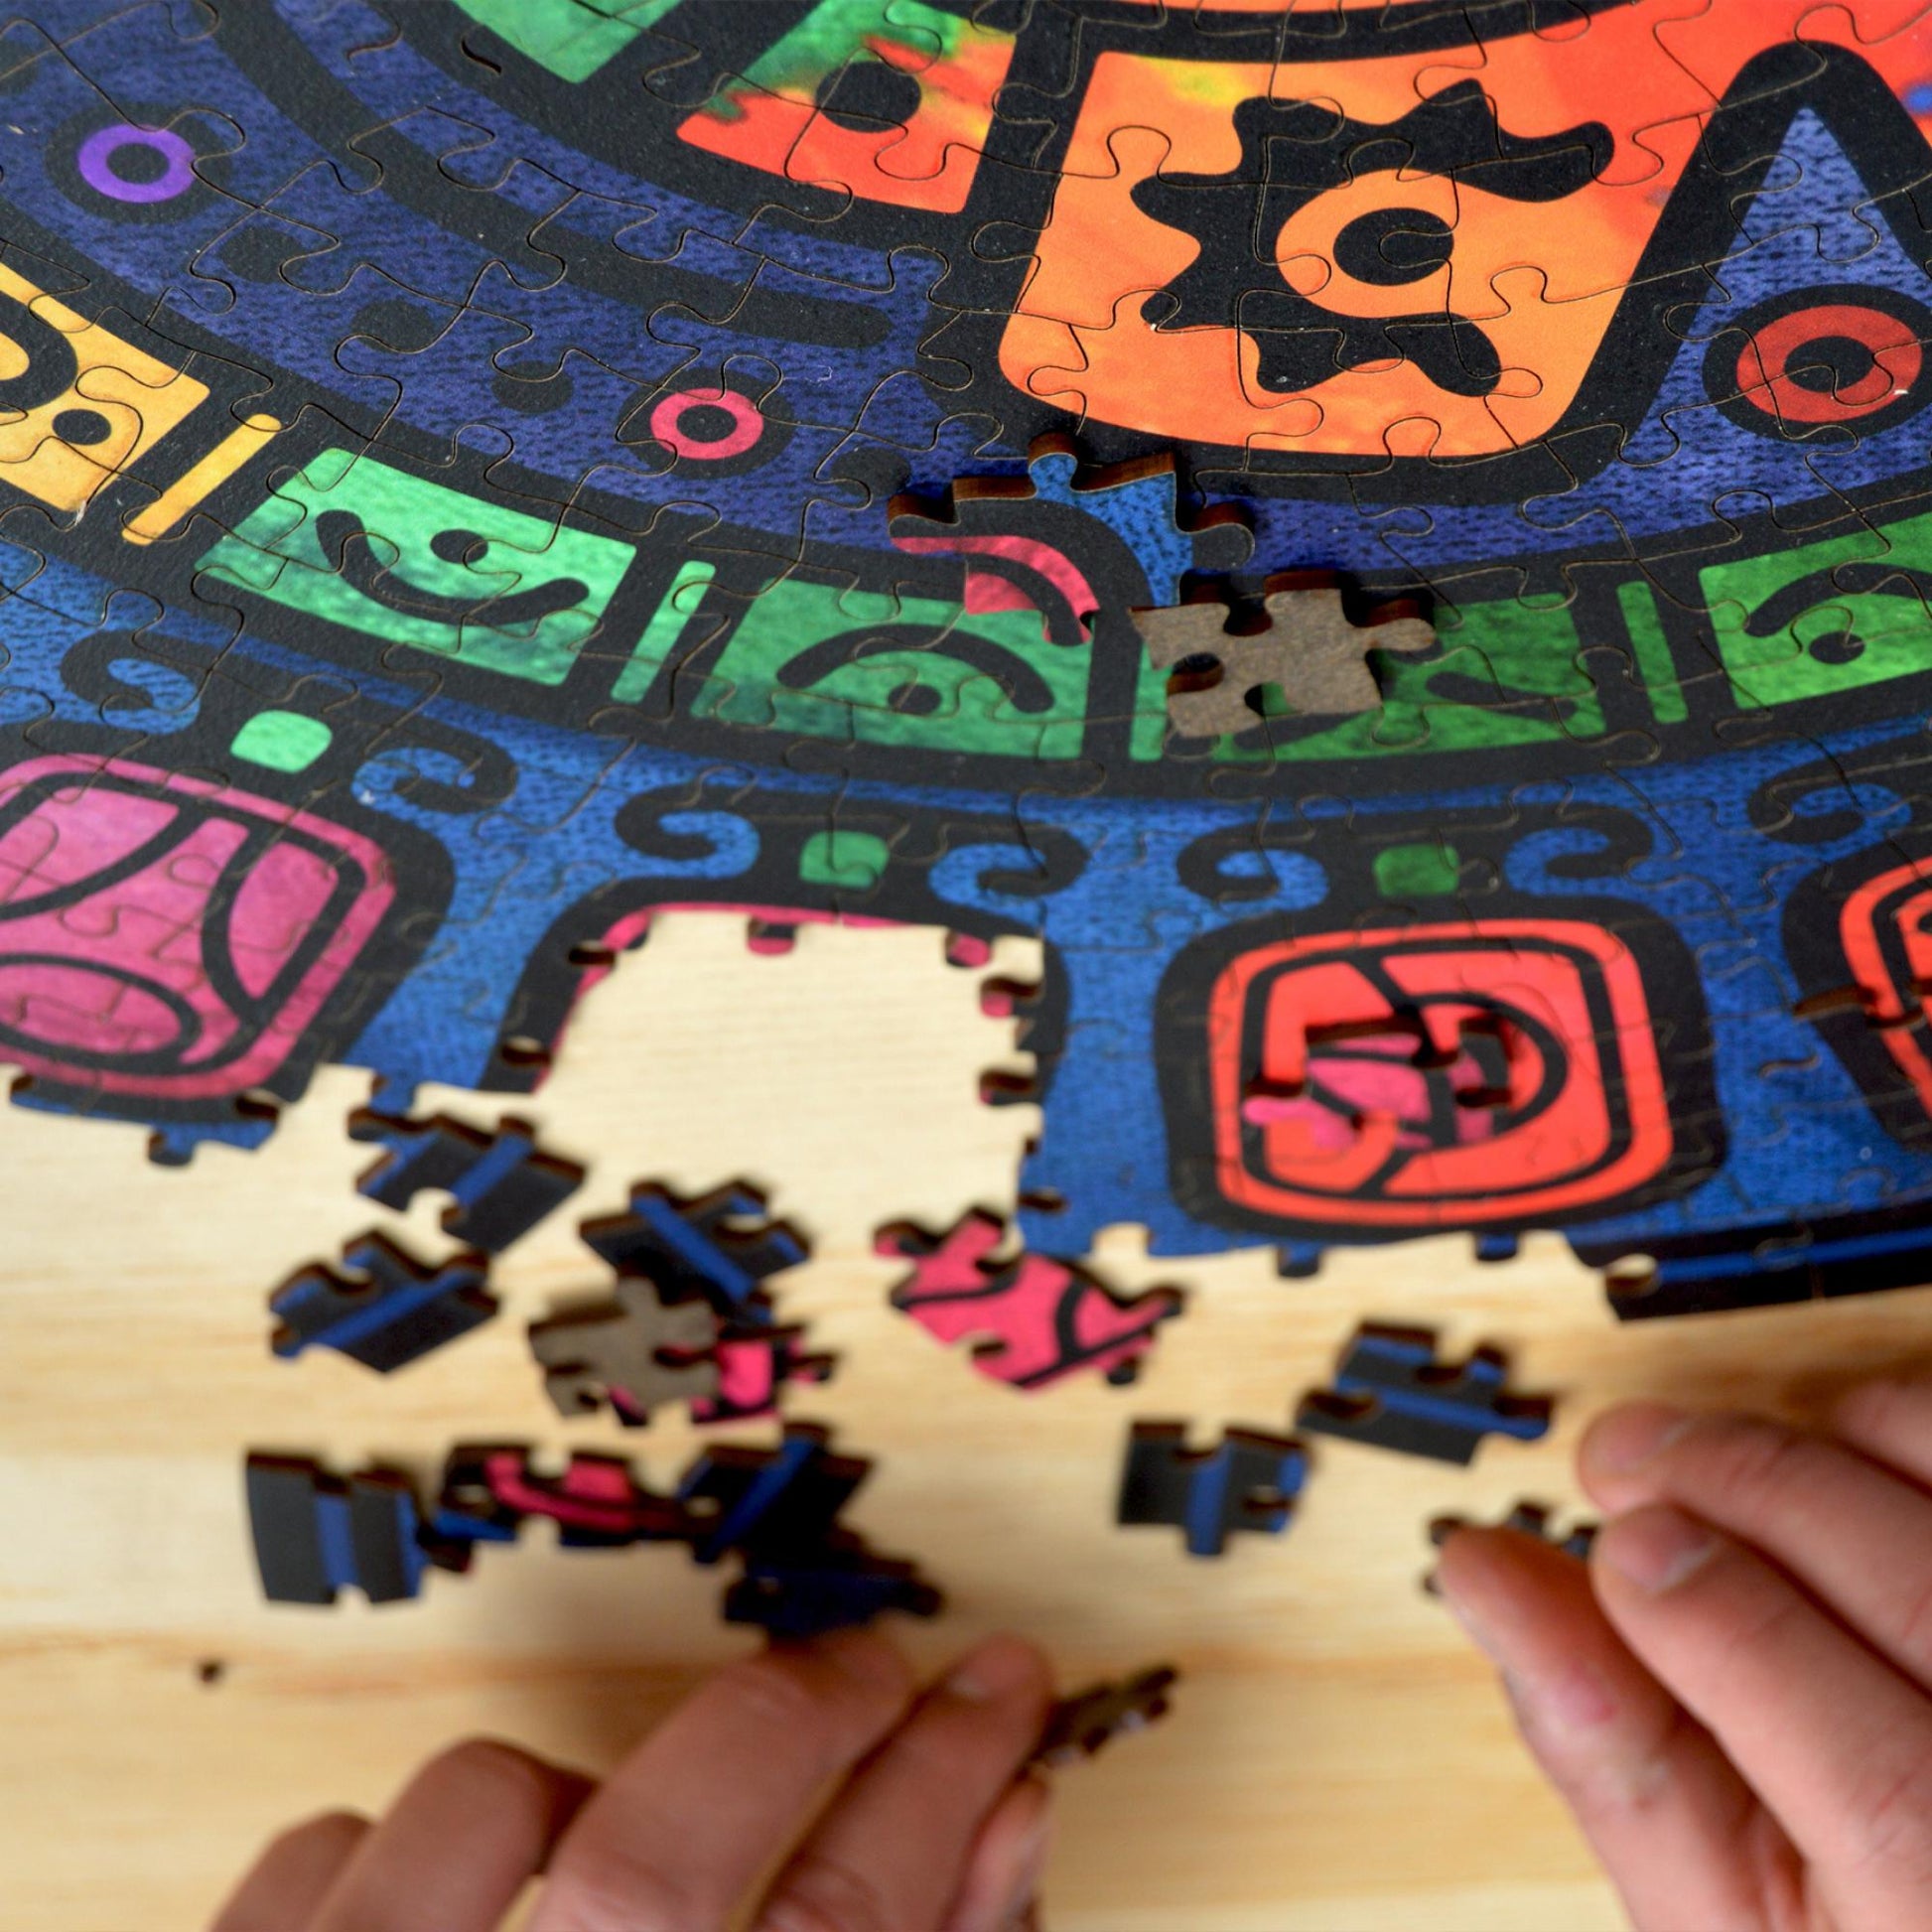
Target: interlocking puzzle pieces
[
  {"x": 1391, "y": 1393},
  {"x": 316, "y": 1534},
  {"x": 779, "y": 1509},
  {"x": 1247, "y": 1482},
  {"x": 391, "y": 1310},
  {"x": 1032, "y": 1320},
  {"x": 502, "y": 1184},
  {"x": 1081, "y": 1724},
  {"x": 1296, "y": 650},
  {"x": 689, "y": 1322},
  {"x": 635, "y": 1353}
]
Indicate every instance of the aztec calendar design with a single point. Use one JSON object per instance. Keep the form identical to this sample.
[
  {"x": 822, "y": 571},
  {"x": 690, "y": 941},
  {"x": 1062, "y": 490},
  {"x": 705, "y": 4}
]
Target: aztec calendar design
[{"x": 1394, "y": 538}]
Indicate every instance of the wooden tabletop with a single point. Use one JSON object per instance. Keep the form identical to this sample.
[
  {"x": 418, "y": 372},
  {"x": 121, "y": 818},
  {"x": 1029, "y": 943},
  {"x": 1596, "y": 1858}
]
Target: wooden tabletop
[{"x": 1337, "y": 1756}]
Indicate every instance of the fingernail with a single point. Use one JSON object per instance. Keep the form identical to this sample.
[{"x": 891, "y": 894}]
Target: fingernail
[
  {"x": 1655, "y": 1549},
  {"x": 991, "y": 1670},
  {"x": 1627, "y": 1438}
]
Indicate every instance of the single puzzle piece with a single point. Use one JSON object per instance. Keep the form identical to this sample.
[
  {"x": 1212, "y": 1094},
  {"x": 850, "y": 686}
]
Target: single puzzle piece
[
  {"x": 838, "y": 1587},
  {"x": 1247, "y": 1482},
  {"x": 1031, "y": 1319},
  {"x": 316, "y": 1534},
  {"x": 1391, "y": 1393},
  {"x": 489, "y": 1489},
  {"x": 640, "y": 1352},
  {"x": 1311, "y": 660},
  {"x": 501, "y": 1182},
  {"x": 1077, "y": 1726},
  {"x": 718, "y": 1245},
  {"x": 391, "y": 1311}
]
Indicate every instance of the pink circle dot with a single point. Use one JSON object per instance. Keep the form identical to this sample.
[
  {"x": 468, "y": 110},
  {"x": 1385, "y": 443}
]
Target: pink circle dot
[{"x": 667, "y": 423}]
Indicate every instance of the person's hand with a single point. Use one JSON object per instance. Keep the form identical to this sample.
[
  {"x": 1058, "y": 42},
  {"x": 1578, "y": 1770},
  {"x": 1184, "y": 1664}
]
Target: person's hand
[
  {"x": 929, "y": 1824},
  {"x": 1736, "y": 1698}
]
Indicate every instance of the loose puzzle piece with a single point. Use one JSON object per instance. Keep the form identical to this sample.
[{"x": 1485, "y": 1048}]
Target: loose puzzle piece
[
  {"x": 316, "y": 1534},
  {"x": 635, "y": 1353},
  {"x": 718, "y": 1245},
  {"x": 1246, "y": 1482},
  {"x": 1031, "y": 1319},
  {"x": 390, "y": 1311},
  {"x": 1079, "y": 1726},
  {"x": 501, "y": 1183},
  {"x": 1309, "y": 661},
  {"x": 1391, "y": 1393}
]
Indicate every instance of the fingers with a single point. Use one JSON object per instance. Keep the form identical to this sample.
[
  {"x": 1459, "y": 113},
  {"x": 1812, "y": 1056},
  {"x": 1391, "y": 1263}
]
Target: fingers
[
  {"x": 454, "y": 1850},
  {"x": 1675, "y": 1826},
  {"x": 698, "y": 1811},
  {"x": 1855, "y": 1536},
  {"x": 291, "y": 1879},
  {"x": 1889, "y": 1418},
  {"x": 888, "y": 1855},
  {"x": 1006, "y": 1863},
  {"x": 1834, "y": 1740}
]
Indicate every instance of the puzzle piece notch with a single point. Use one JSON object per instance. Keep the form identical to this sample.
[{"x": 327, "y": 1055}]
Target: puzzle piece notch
[
  {"x": 1247, "y": 1482},
  {"x": 639, "y": 1351},
  {"x": 1079, "y": 1726},
  {"x": 1308, "y": 653},
  {"x": 718, "y": 1245},
  {"x": 755, "y": 1366},
  {"x": 501, "y": 1183},
  {"x": 316, "y": 1534},
  {"x": 400, "y": 1307},
  {"x": 1391, "y": 1393},
  {"x": 1032, "y": 1320}
]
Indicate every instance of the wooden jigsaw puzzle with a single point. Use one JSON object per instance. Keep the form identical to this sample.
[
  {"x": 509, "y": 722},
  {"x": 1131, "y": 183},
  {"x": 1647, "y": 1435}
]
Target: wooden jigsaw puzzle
[{"x": 481, "y": 473}]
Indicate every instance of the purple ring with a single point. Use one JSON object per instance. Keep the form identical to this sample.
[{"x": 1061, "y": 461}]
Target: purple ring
[{"x": 99, "y": 149}]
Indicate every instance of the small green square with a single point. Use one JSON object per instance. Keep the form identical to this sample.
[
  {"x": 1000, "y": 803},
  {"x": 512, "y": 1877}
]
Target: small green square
[
  {"x": 284, "y": 740},
  {"x": 1423, "y": 871}
]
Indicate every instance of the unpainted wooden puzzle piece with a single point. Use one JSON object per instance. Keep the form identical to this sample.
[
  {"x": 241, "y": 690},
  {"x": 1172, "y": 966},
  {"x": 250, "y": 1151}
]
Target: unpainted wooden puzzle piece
[
  {"x": 1031, "y": 1319},
  {"x": 1311, "y": 659},
  {"x": 390, "y": 1311},
  {"x": 1081, "y": 1724},
  {"x": 1246, "y": 1481},
  {"x": 636, "y": 1353},
  {"x": 1392, "y": 1393}
]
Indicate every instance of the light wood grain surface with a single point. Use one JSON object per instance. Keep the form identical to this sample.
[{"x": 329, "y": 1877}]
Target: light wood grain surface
[{"x": 1337, "y": 1758}]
